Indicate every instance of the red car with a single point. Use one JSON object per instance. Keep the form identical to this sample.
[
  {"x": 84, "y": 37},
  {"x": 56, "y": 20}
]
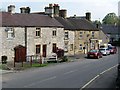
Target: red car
[
  {"x": 94, "y": 54},
  {"x": 112, "y": 49}
]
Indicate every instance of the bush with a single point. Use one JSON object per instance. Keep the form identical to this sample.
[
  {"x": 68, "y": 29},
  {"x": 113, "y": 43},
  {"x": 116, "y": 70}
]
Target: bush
[
  {"x": 64, "y": 59},
  {"x": 4, "y": 59}
]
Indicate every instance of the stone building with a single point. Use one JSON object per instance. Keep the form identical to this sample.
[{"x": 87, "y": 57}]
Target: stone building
[{"x": 38, "y": 34}]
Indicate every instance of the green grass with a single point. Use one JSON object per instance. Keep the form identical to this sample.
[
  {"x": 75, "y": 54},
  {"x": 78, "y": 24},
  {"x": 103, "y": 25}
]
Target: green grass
[
  {"x": 25, "y": 66},
  {"x": 38, "y": 65}
]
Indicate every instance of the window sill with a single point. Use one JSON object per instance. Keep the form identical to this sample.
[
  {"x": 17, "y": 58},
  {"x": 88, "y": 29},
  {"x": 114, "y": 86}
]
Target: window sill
[
  {"x": 54, "y": 36},
  {"x": 80, "y": 50},
  {"x": 66, "y": 38},
  {"x": 10, "y": 38},
  {"x": 80, "y": 38},
  {"x": 37, "y": 37}
]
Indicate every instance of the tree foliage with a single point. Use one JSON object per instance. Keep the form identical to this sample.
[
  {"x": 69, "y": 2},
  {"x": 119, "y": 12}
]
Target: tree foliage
[
  {"x": 110, "y": 18},
  {"x": 97, "y": 22}
]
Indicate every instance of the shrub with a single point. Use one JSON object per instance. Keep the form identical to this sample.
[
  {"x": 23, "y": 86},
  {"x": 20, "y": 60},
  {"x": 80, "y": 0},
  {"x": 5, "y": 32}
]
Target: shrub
[
  {"x": 4, "y": 59},
  {"x": 64, "y": 59}
]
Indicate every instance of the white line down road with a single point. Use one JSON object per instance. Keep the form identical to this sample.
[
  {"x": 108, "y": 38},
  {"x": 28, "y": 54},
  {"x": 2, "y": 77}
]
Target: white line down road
[{"x": 97, "y": 77}]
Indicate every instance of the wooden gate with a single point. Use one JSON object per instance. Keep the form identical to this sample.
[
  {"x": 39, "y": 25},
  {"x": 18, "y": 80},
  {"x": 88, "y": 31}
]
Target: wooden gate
[{"x": 20, "y": 53}]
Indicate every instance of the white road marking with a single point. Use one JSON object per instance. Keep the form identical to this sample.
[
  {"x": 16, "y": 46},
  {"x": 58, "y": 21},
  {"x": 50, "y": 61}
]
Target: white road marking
[
  {"x": 70, "y": 72},
  {"x": 97, "y": 77},
  {"x": 109, "y": 69},
  {"x": 90, "y": 82},
  {"x": 40, "y": 81}
]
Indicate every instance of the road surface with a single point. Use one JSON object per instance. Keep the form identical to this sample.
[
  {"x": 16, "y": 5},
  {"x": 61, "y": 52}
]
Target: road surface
[{"x": 65, "y": 75}]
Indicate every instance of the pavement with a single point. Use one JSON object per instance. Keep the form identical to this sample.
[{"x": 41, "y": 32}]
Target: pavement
[
  {"x": 71, "y": 59},
  {"x": 77, "y": 57},
  {"x": 6, "y": 71}
]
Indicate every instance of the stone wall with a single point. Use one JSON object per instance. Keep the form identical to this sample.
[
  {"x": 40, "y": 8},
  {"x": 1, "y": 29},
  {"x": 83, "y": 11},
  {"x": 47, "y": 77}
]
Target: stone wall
[
  {"x": 8, "y": 44},
  {"x": 45, "y": 38}
]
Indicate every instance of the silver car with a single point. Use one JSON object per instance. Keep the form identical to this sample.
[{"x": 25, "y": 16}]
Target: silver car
[{"x": 105, "y": 51}]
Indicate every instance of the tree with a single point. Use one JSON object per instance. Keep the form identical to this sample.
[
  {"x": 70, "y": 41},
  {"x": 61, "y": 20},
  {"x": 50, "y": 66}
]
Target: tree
[
  {"x": 97, "y": 22},
  {"x": 110, "y": 18}
]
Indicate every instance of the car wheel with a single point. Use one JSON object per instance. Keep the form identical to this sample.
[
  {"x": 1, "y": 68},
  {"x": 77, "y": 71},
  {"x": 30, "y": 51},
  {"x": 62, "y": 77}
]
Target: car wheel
[{"x": 98, "y": 57}]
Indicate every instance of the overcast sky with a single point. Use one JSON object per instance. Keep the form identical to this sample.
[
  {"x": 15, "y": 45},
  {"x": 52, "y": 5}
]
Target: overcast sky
[{"x": 98, "y": 8}]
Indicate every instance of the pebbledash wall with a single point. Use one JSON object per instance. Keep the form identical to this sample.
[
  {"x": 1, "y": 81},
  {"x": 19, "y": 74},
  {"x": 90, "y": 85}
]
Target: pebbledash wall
[{"x": 8, "y": 44}]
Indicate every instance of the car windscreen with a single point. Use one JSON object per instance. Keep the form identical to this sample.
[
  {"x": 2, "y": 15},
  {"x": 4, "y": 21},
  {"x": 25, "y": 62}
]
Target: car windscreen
[
  {"x": 110, "y": 47},
  {"x": 102, "y": 49},
  {"x": 93, "y": 51}
]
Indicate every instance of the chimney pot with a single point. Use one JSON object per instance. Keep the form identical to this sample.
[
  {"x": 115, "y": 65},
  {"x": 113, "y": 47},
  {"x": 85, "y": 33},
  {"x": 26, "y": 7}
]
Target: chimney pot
[
  {"x": 63, "y": 13},
  {"x": 25, "y": 10},
  {"x": 11, "y": 8},
  {"x": 88, "y": 16}
]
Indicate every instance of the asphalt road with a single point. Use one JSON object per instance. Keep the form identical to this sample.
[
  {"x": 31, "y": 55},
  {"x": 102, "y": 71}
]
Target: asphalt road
[
  {"x": 106, "y": 80},
  {"x": 65, "y": 75}
]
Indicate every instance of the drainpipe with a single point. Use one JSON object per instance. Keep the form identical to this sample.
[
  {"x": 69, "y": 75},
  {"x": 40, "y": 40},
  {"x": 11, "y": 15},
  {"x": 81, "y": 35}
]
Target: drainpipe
[
  {"x": 26, "y": 41},
  {"x": 74, "y": 42}
]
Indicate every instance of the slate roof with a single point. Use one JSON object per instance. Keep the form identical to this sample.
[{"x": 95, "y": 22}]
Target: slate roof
[
  {"x": 30, "y": 20},
  {"x": 66, "y": 23},
  {"x": 74, "y": 23},
  {"x": 110, "y": 29},
  {"x": 82, "y": 24}
]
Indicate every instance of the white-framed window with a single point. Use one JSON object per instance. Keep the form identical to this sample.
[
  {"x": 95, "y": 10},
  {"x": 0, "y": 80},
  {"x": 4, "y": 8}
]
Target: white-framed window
[
  {"x": 66, "y": 35},
  {"x": 38, "y": 32},
  {"x": 66, "y": 47},
  {"x": 10, "y": 33},
  {"x": 81, "y": 47},
  {"x": 81, "y": 35},
  {"x": 93, "y": 34},
  {"x": 54, "y": 32}
]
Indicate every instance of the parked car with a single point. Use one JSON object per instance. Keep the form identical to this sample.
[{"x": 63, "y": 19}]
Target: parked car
[
  {"x": 94, "y": 54},
  {"x": 105, "y": 51},
  {"x": 112, "y": 49}
]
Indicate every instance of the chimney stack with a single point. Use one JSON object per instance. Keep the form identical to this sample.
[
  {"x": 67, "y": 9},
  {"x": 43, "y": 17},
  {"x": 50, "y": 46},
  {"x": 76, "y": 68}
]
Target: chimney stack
[
  {"x": 56, "y": 10},
  {"x": 52, "y": 10},
  {"x": 88, "y": 16},
  {"x": 25, "y": 10},
  {"x": 11, "y": 8},
  {"x": 49, "y": 10},
  {"x": 63, "y": 13}
]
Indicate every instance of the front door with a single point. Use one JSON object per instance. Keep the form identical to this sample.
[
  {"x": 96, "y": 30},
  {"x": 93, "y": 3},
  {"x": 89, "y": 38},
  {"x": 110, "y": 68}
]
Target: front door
[
  {"x": 54, "y": 48},
  {"x": 20, "y": 53},
  {"x": 44, "y": 50}
]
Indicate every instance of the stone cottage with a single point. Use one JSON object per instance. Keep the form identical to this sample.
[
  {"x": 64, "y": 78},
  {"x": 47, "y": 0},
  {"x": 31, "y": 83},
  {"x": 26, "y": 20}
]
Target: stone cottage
[{"x": 31, "y": 33}]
